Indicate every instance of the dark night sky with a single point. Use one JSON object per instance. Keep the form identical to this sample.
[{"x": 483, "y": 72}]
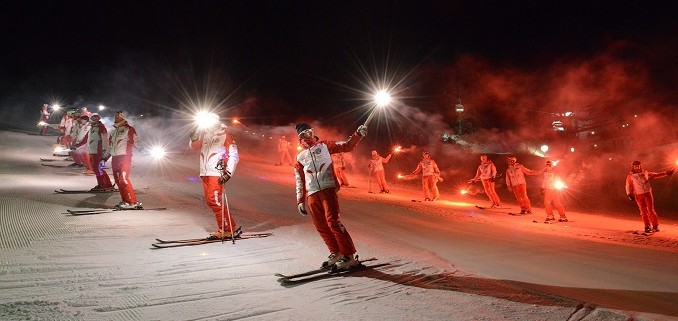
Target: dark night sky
[{"x": 303, "y": 54}]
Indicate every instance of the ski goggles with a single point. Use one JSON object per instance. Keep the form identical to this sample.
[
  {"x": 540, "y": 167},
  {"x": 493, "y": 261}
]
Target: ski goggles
[{"x": 306, "y": 134}]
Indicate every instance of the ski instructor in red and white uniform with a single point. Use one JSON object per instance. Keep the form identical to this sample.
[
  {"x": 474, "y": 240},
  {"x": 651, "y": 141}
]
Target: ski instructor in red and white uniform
[
  {"x": 638, "y": 189},
  {"x": 122, "y": 140},
  {"x": 316, "y": 189},
  {"x": 216, "y": 145}
]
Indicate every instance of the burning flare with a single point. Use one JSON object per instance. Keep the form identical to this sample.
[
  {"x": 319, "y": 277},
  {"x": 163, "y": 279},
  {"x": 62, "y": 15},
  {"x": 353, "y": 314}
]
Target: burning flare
[{"x": 559, "y": 185}]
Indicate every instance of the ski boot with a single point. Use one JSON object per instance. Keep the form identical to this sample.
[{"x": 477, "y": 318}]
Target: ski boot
[
  {"x": 345, "y": 263},
  {"x": 563, "y": 219},
  {"x": 332, "y": 259}
]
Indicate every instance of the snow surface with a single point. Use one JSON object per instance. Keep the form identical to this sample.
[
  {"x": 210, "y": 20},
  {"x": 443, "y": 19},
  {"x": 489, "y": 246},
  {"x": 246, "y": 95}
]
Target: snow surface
[{"x": 444, "y": 260}]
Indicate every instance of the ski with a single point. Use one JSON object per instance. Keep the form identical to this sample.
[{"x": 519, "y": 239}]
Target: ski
[
  {"x": 553, "y": 222},
  {"x": 163, "y": 244},
  {"x": 61, "y": 166},
  {"x": 518, "y": 214},
  {"x": 84, "y": 191},
  {"x": 51, "y": 160},
  {"x": 160, "y": 241},
  {"x": 283, "y": 277},
  {"x": 490, "y": 208},
  {"x": 642, "y": 233},
  {"x": 320, "y": 274},
  {"x": 108, "y": 210}
]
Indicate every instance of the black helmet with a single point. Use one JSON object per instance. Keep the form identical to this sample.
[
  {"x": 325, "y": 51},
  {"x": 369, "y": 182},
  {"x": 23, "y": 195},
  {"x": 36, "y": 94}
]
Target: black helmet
[{"x": 635, "y": 163}]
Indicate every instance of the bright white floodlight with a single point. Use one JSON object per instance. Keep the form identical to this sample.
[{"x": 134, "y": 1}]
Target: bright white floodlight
[
  {"x": 382, "y": 98},
  {"x": 206, "y": 119},
  {"x": 158, "y": 152},
  {"x": 544, "y": 148}
]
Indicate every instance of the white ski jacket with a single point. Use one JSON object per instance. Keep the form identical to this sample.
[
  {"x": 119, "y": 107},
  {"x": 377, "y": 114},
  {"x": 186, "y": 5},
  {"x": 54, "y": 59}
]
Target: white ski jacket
[
  {"x": 515, "y": 175},
  {"x": 314, "y": 169},
  {"x": 123, "y": 139},
  {"x": 485, "y": 171},
  {"x": 427, "y": 167},
  {"x": 97, "y": 142},
  {"x": 214, "y": 146},
  {"x": 639, "y": 183}
]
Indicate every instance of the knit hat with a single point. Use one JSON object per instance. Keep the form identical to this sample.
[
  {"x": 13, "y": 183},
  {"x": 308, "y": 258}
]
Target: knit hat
[{"x": 302, "y": 127}]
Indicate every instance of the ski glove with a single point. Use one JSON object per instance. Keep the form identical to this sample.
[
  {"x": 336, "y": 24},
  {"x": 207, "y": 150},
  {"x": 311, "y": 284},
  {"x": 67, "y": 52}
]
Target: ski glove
[
  {"x": 302, "y": 209},
  {"x": 492, "y": 179},
  {"x": 362, "y": 130},
  {"x": 631, "y": 197},
  {"x": 193, "y": 134},
  {"x": 225, "y": 176},
  {"x": 670, "y": 172}
]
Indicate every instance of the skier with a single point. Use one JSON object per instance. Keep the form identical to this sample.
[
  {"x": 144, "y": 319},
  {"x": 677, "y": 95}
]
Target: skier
[
  {"x": 122, "y": 140},
  {"x": 215, "y": 145},
  {"x": 638, "y": 189},
  {"x": 284, "y": 150},
  {"x": 79, "y": 151},
  {"x": 552, "y": 194},
  {"x": 97, "y": 147},
  {"x": 86, "y": 112},
  {"x": 317, "y": 186},
  {"x": 515, "y": 181},
  {"x": 44, "y": 118},
  {"x": 66, "y": 127},
  {"x": 340, "y": 168},
  {"x": 377, "y": 167},
  {"x": 429, "y": 177},
  {"x": 487, "y": 174}
]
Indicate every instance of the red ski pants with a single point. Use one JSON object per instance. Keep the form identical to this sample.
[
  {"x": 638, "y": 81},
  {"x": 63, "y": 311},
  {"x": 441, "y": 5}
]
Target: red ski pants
[
  {"x": 341, "y": 176},
  {"x": 213, "y": 190},
  {"x": 324, "y": 209},
  {"x": 102, "y": 177},
  {"x": 121, "y": 166},
  {"x": 429, "y": 184},
  {"x": 488, "y": 185},
  {"x": 520, "y": 191},
  {"x": 381, "y": 180},
  {"x": 553, "y": 196},
  {"x": 645, "y": 203},
  {"x": 80, "y": 156}
]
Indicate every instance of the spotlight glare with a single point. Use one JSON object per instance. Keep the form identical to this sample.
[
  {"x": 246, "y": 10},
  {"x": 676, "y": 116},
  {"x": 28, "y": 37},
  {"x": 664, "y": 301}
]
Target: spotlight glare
[
  {"x": 158, "y": 152},
  {"x": 382, "y": 98},
  {"x": 206, "y": 119}
]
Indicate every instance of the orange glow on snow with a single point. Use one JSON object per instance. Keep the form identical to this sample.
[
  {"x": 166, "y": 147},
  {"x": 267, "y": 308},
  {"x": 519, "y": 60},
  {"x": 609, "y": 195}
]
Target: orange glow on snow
[{"x": 457, "y": 204}]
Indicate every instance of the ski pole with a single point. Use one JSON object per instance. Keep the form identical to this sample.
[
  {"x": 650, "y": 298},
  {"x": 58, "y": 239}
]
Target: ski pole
[
  {"x": 223, "y": 198},
  {"x": 224, "y": 202}
]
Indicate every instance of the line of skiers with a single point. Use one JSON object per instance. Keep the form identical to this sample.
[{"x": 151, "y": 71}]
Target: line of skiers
[
  {"x": 91, "y": 146},
  {"x": 317, "y": 180}
]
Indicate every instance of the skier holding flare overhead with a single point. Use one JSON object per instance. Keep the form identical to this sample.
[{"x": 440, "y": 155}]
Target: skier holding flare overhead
[
  {"x": 218, "y": 159},
  {"x": 316, "y": 191}
]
